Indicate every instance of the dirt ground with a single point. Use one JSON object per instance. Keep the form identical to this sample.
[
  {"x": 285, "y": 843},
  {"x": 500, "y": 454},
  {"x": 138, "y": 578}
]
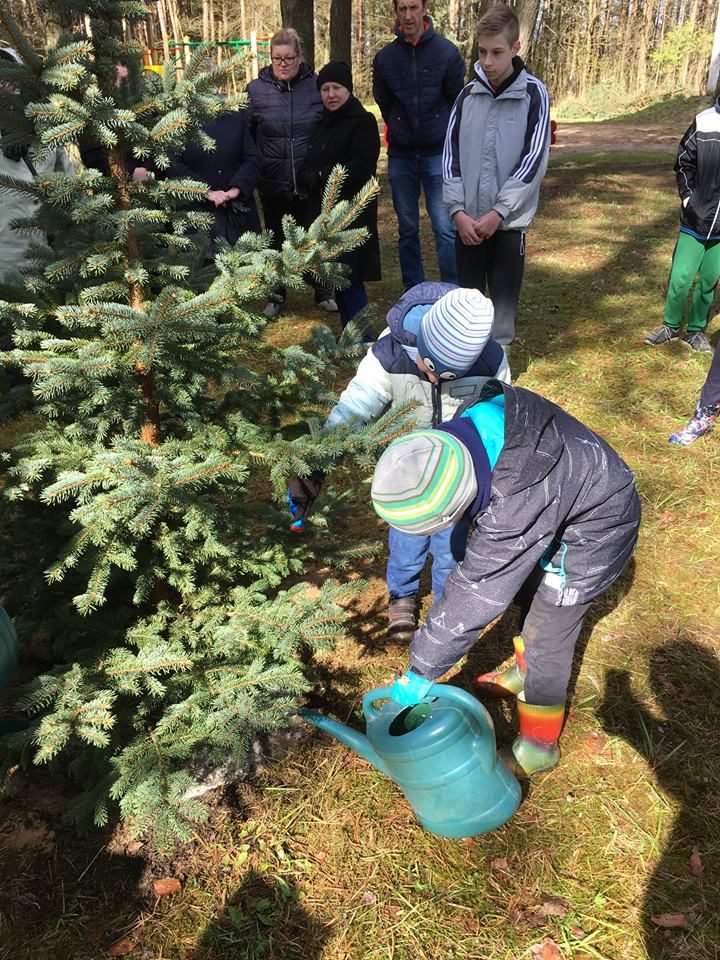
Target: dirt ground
[{"x": 659, "y": 136}]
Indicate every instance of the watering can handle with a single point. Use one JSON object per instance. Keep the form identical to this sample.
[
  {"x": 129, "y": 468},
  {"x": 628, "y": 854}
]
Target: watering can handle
[
  {"x": 368, "y": 705},
  {"x": 471, "y": 704}
]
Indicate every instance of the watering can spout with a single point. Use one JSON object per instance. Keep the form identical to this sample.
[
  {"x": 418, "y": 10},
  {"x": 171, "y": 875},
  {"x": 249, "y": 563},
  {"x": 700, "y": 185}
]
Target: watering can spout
[{"x": 351, "y": 738}]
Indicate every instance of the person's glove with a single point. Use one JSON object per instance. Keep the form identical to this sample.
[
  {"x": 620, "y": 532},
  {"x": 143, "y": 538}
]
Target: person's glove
[
  {"x": 410, "y": 689},
  {"x": 301, "y": 495},
  {"x": 238, "y": 212}
]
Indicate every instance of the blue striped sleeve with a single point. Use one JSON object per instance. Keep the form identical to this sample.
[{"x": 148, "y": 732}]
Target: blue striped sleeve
[
  {"x": 451, "y": 150},
  {"x": 536, "y": 133}
]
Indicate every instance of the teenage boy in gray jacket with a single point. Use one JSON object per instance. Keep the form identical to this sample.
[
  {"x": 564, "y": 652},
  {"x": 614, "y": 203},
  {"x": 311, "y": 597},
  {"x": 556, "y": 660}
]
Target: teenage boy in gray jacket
[{"x": 495, "y": 156}]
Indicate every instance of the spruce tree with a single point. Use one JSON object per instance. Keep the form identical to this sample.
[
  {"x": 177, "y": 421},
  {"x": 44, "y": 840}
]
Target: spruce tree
[{"x": 160, "y": 437}]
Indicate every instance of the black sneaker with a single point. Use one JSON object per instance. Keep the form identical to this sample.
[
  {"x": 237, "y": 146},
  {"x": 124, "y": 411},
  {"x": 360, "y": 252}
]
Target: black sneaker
[
  {"x": 697, "y": 341},
  {"x": 401, "y": 617},
  {"x": 661, "y": 334}
]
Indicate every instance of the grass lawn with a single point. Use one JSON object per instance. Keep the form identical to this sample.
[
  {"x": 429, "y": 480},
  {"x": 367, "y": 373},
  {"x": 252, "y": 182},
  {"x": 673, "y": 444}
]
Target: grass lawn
[{"x": 319, "y": 858}]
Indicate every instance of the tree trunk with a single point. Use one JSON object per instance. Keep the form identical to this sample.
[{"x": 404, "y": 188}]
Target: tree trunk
[
  {"x": 340, "y": 28},
  {"x": 527, "y": 12},
  {"x": 300, "y": 15}
]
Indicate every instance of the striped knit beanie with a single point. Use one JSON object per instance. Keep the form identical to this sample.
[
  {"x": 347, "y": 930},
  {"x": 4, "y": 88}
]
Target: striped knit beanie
[
  {"x": 454, "y": 332},
  {"x": 424, "y": 482}
]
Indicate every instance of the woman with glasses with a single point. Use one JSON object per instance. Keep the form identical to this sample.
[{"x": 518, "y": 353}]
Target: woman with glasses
[{"x": 284, "y": 106}]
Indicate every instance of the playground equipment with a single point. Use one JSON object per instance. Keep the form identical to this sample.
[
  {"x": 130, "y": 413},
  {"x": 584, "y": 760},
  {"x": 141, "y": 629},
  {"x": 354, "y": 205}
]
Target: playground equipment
[{"x": 179, "y": 52}]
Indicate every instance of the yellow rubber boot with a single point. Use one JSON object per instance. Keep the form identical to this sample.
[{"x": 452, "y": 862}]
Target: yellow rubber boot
[{"x": 508, "y": 682}]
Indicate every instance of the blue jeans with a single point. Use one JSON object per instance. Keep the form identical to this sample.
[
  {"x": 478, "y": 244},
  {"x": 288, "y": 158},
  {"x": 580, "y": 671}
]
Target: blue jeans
[
  {"x": 406, "y": 175},
  {"x": 408, "y": 553},
  {"x": 350, "y": 301}
]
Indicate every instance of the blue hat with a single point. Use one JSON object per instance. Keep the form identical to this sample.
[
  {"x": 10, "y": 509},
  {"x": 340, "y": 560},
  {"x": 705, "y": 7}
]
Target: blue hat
[{"x": 454, "y": 332}]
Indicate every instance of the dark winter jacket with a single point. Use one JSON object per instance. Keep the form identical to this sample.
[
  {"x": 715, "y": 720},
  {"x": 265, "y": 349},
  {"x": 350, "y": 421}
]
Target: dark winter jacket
[
  {"x": 283, "y": 114},
  {"x": 348, "y": 136},
  {"x": 559, "y": 492},
  {"x": 415, "y": 85},
  {"x": 388, "y": 375},
  {"x": 233, "y": 163},
  {"x": 698, "y": 175}
]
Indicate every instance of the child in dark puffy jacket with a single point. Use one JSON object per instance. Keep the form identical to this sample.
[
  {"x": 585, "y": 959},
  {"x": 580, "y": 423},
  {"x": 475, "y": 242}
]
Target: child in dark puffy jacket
[
  {"x": 554, "y": 517},
  {"x": 697, "y": 251},
  {"x": 436, "y": 352}
]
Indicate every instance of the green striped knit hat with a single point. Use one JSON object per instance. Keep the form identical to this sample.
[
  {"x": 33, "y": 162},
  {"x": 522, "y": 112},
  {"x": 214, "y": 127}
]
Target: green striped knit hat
[{"x": 424, "y": 482}]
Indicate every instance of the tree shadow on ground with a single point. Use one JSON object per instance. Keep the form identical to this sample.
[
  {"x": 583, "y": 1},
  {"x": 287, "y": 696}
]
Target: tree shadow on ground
[
  {"x": 62, "y": 896},
  {"x": 676, "y": 732},
  {"x": 263, "y": 920}
]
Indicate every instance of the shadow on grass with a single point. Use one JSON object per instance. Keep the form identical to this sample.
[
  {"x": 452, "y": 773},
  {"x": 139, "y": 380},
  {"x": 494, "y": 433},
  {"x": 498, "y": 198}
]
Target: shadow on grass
[
  {"x": 679, "y": 740},
  {"x": 62, "y": 899},
  {"x": 263, "y": 920}
]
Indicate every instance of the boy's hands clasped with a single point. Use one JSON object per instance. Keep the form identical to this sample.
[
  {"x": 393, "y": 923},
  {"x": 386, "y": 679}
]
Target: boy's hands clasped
[{"x": 473, "y": 232}]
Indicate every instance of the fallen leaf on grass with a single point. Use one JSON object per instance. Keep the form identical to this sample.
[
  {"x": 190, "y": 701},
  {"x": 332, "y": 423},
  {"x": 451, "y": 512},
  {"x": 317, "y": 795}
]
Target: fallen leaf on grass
[
  {"x": 469, "y": 843},
  {"x": 393, "y": 909},
  {"x": 678, "y": 921},
  {"x": 121, "y": 947},
  {"x": 696, "y": 864},
  {"x": 578, "y": 933},
  {"x": 667, "y": 516},
  {"x": 470, "y": 925},
  {"x": 596, "y": 741},
  {"x": 498, "y": 863},
  {"x": 368, "y": 897},
  {"x": 166, "y": 886},
  {"x": 547, "y": 950},
  {"x": 134, "y": 846},
  {"x": 533, "y": 918},
  {"x": 536, "y": 914},
  {"x": 554, "y": 907}
]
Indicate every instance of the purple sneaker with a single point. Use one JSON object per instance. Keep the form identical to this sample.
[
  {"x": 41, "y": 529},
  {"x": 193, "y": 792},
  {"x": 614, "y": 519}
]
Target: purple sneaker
[{"x": 703, "y": 420}]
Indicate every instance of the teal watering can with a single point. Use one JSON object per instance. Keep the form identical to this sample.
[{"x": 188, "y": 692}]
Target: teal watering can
[{"x": 441, "y": 753}]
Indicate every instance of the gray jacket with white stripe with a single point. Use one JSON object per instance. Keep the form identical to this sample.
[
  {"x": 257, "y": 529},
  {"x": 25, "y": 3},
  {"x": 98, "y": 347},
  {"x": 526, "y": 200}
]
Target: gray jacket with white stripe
[
  {"x": 559, "y": 492},
  {"x": 497, "y": 147}
]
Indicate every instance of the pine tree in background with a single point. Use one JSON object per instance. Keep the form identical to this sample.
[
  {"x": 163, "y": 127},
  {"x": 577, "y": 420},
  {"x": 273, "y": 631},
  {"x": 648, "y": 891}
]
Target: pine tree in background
[{"x": 159, "y": 437}]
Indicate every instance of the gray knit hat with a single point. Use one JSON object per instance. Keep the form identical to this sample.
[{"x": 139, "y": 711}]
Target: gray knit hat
[
  {"x": 454, "y": 332},
  {"x": 424, "y": 482}
]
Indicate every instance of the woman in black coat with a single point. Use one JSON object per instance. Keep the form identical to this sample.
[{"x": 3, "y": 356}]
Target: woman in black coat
[
  {"x": 231, "y": 171},
  {"x": 346, "y": 134}
]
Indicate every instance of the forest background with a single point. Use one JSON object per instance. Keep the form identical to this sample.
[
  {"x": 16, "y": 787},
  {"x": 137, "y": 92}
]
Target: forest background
[{"x": 595, "y": 56}]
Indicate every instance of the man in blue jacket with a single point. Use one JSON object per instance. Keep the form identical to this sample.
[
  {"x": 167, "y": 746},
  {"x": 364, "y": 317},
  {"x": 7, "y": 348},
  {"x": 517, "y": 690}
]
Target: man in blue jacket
[{"x": 416, "y": 79}]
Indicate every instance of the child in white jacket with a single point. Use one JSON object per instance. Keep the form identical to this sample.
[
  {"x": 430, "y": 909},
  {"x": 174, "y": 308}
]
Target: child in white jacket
[{"x": 436, "y": 352}]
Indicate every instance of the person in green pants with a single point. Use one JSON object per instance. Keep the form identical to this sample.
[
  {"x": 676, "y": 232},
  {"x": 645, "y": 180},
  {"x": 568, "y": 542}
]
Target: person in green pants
[{"x": 697, "y": 251}]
